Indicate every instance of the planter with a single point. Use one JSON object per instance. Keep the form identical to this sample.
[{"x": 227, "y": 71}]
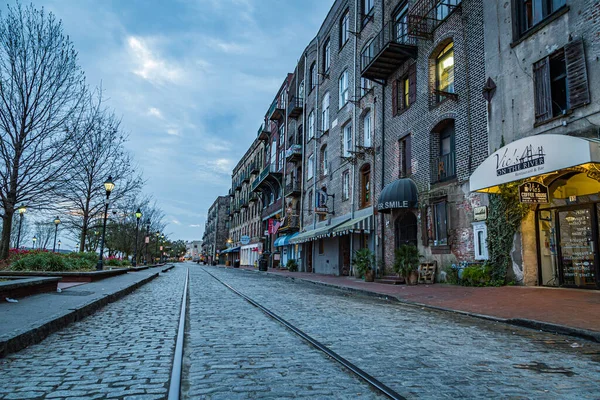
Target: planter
[
  {"x": 370, "y": 276},
  {"x": 413, "y": 278}
]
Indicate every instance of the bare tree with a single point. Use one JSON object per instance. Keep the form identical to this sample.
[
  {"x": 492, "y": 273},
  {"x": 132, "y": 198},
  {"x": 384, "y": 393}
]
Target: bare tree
[
  {"x": 41, "y": 89},
  {"x": 44, "y": 232},
  {"x": 101, "y": 153}
]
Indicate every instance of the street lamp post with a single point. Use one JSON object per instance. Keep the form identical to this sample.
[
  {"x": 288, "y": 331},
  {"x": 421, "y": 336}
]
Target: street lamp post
[
  {"x": 138, "y": 215},
  {"x": 34, "y": 240},
  {"x": 59, "y": 246},
  {"x": 56, "y": 223},
  {"x": 147, "y": 240},
  {"x": 157, "y": 237},
  {"x": 162, "y": 240},
  {"x": 108, "y": 186},
  {"x": 22, "y": 210}
]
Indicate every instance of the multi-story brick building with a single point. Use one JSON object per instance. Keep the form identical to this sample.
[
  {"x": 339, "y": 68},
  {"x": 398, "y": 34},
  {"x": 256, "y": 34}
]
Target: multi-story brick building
[
  {"x": 542, "y": 60},
  {"x": 245, "y": 229},
  {"x": 216, "y": 229}
]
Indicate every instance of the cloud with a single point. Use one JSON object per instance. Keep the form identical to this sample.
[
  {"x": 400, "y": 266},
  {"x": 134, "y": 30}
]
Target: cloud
[
  {"x": 195, "y": 226},
  {"x": 175, "y": 221},
  {"x": 155, "y": 112},
  {"x": 149, "y": 65}
]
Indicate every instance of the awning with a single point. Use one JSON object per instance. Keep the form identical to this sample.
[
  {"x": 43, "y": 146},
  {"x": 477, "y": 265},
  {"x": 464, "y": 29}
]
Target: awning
[
  {"x": 284, "y": 240},
  {"x": 402, "y": 193},
  {"x": 362, "y": 224},
  {"x": 318, "y": 233},
  {"x": 533, "y": 156},
  {"x": 231, "y": 250}
]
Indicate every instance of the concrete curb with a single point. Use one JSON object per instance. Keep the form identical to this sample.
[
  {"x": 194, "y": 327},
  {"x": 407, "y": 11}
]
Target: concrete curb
[
  {"x": 38, "y": 334},
  {"x": 522, "y": 322},
  {"x": 168, "y": 268}
]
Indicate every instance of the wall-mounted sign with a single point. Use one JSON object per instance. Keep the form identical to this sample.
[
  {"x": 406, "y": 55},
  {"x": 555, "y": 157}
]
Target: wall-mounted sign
[
  {"x": 321, "y": 210},
  {"x": 480, "y": 213},
  {"x": 533, "y": 193},
  {"x": 245, "y": 239}
]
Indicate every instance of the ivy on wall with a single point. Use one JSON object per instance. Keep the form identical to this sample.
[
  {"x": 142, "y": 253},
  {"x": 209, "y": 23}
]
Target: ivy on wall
[{"x": 505, "y": 215}]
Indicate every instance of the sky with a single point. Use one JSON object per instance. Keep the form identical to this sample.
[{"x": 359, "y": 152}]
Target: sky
[{"x": 192, "y": 80}]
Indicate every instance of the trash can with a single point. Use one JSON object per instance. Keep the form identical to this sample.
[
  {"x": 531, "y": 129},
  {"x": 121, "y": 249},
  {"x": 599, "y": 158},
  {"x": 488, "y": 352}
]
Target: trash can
[
  {"x": 214, "y": 263},
  {"x": 263, "y": 264},
  {"x": 236, "y": 264}
]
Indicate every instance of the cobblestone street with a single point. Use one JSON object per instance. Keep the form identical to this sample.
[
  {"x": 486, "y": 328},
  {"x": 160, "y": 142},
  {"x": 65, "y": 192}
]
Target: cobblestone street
[
  {"x": 123, "y": 350},
  {"x": 425, "y": 354}
]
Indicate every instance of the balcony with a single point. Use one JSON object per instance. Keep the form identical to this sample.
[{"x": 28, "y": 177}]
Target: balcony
[
  {"x": 389, "y": 49},
  {"x": 238, "y": 185},
  {"x": 253, "y": 169},
  {"x": 231, "y": 193},
  {"x": 275, "y": 113},
  {"x": 236, "y": 208},
  {"x": 253, "y": 198},
  {"x": 294, "y": 153},
  {"x": 443, "y": 168},
  {"x": 268, "y": 176},
  {"x": 293, "y": 189},
  {"x": 295, "y": 107},
  {"x": 246, "y": 178},
  {"x": 243, "y": 203},
  {"x": 290, "y": 224},
  {"x": 273, "y": 209},
  {"x": 264, "y": 133},
  {"x": 426, "y": 15}
]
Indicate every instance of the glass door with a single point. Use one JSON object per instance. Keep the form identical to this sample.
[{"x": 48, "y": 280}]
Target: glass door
[{"x": 577, "y": 245}]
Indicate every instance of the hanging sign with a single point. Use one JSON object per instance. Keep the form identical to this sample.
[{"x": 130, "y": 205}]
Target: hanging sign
[
  {"x": 245, "y": 239},
  {"x": 147, "y": 239},
  {"x": 533, "y": 193}
]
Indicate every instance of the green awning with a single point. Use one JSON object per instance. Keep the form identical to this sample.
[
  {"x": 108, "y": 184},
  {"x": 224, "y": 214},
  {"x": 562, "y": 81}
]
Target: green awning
[
  {"x": 318, "y": 233},
  {"x": 361, "y": 224}
]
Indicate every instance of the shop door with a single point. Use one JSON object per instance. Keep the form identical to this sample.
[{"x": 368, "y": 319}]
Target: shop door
[
  {"x": 309, "y": 259},
  {"x": 345, "y": 255},
  {"x": 578, "y": 240}
]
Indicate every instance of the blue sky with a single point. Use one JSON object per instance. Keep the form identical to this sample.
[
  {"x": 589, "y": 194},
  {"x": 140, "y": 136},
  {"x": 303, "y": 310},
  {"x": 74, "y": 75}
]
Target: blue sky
[{"x": 192, "y": 80}]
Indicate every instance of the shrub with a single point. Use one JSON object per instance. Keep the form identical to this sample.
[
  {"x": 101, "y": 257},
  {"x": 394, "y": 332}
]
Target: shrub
[
  {"x": 112, "y": 262},
  {"x": 477, "y": 275},
  {"x": 292, "y": 265},
  {"x": 126, "y": 263},
  {"x": 363, "y": 261},
  {"x": 406, "y": 259},
  {"x": 40, "y": 262}
]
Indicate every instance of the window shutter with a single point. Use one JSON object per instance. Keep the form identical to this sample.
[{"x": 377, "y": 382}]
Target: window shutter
[
  {"x": 579, "y": 93},
  {"x": 394, "y": 98},
  {"x": 412, "y": 82},
  {"x": 543, "y": 96},
  {"x": 408, "y": 152}
]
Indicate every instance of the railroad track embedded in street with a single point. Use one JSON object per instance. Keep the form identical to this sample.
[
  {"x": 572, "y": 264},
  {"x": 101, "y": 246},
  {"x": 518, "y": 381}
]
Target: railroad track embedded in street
[{"x": 353, "y": 369}]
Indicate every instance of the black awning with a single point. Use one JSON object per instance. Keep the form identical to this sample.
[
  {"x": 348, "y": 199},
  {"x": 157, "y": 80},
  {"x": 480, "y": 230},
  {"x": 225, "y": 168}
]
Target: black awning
[{"x": 402, "y": 193}]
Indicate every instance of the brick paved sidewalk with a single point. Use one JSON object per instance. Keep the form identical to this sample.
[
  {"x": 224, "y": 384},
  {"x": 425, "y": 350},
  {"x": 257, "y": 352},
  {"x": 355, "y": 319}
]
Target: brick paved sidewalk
[{"x": 571, "y": 309}]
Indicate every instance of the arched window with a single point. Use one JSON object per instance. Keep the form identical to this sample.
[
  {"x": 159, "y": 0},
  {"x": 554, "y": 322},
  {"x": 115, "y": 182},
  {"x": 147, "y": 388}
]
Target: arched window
[
  {"x": 313, "y": 75},
  {"x": 311, "y": 125},
  {"x": 326, "y": 55},
  {"x": 343, "y": 86},
  {"x": 444, "y": 72},
  {"x": 324, "y": 163},
  {"x": 405, "y": 229},
  {"x": 325, "y": 115},
  {"x": 365, "y": 186}
]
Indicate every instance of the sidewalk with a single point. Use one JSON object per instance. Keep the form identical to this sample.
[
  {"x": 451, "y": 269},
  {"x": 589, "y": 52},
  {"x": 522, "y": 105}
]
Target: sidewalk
[
  {"x": 568, "y": 311},
  {"x": 34, "y": 317}
]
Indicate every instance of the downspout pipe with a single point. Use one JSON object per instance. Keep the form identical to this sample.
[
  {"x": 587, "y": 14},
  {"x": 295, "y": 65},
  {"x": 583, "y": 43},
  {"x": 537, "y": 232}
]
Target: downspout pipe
[{"x": 384, "y": 86}]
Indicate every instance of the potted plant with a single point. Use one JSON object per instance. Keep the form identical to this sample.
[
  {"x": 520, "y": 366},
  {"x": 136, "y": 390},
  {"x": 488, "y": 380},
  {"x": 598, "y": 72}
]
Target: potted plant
[
  {"x": 406, "y": 262},
  {"x": 363, "y": 263},
  {"x": 292, "y": 265}
]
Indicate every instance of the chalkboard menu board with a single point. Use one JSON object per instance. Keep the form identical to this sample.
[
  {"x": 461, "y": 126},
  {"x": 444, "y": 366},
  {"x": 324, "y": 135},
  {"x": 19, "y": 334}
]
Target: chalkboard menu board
[{"x": 577, "y": 247}]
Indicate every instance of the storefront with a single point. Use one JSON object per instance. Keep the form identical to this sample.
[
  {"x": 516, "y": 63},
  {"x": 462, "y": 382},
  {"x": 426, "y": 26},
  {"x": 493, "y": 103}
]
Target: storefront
[
  {"x": 321, "y": 249},
  {"x": 250, "y": 253},
  {"x": 559, "y": 176},
  {"x": 288, "y": 251}
]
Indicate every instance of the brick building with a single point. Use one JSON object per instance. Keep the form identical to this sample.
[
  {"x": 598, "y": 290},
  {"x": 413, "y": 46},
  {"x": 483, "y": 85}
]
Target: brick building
[
  {"x": 544, "y": 70},
  {"x": 215, "y": 229},
  {"x": 245, "y": 226}
]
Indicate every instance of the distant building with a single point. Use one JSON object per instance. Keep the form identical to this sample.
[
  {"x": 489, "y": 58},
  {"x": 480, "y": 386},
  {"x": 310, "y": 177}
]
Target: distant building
[
  {"x": 215, "y": 230},
  {"x": 193, "y": 249}
]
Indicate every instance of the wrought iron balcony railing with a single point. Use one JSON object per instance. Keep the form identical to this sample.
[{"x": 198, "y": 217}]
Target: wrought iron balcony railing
[{"x": 443, "y": 168}]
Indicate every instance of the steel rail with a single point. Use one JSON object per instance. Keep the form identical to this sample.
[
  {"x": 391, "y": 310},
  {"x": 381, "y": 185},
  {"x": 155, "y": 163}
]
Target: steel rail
[
  {"x": 372, "y": 381},
  {"x": 175, "y": 384}
]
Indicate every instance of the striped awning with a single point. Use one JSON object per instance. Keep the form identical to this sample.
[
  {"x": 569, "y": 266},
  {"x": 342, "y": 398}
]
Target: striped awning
[
  {"x": 361, "y": 224},
  {"x": 231, "y": 250},
  {"x": 284, "y": 240},
  {"x": 318, "y": 233}
]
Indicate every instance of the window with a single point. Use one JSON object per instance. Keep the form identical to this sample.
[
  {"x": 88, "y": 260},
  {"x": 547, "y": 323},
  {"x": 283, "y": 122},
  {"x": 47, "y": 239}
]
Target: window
[
  {"x": 405, "y": 157},
  {"x": 560, "y": 82},
  {"x": 282, "y": 135},
  {"x": 401, "y": 24},
  {"x": 313, "y": 76},
  {"x": 301, "y": 90},
  {"x": 444, "y": 72},
  {"x": 311, "y": 205},
  {"x": 273, "y": 155},
  {"x": 365, "y": 186},
  {"x": 310, "y": 166},
  {"x": 367, "y": 10},
  {"x": 440, "y": 224},
  {"x": 444, "y": 8},
  {"x": 367, "y": 130},
  {"x": 404, "y": 91},
  {"x": 529, "y": 13},
  {"x": 325, "y": 116},
  {"x": 321, "y": 247},
  {"x": 367, "y": 54},
  {"x": 346, "y": 185},
  {"x": 327, "y": 56},
  {"x": 347, "y": 140},
  {"x": 365, "y": 86},
  {"x": 343, "y": 88},
  {"x": 444, "y": 166},
  {"x": 311, "y": 125},
  {"x": 281, "y": 158},
  {"x": 324, "y": 161},
  {"x": 344, "y": 28}
]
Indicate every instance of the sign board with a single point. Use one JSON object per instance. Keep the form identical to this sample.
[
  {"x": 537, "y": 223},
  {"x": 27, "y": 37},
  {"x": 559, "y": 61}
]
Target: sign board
[
  {"x": 321, "y": 210},
  {"x": 160, "y": 248},
  {"x": 147, "y": 239},
  {"x": 266, "y": 233},
  {"x": 533, "y": 193},
  {"x": 480, "y": 213},
  {"x": 271, "y": 226},
  {"x": 245, "y": 239}
]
